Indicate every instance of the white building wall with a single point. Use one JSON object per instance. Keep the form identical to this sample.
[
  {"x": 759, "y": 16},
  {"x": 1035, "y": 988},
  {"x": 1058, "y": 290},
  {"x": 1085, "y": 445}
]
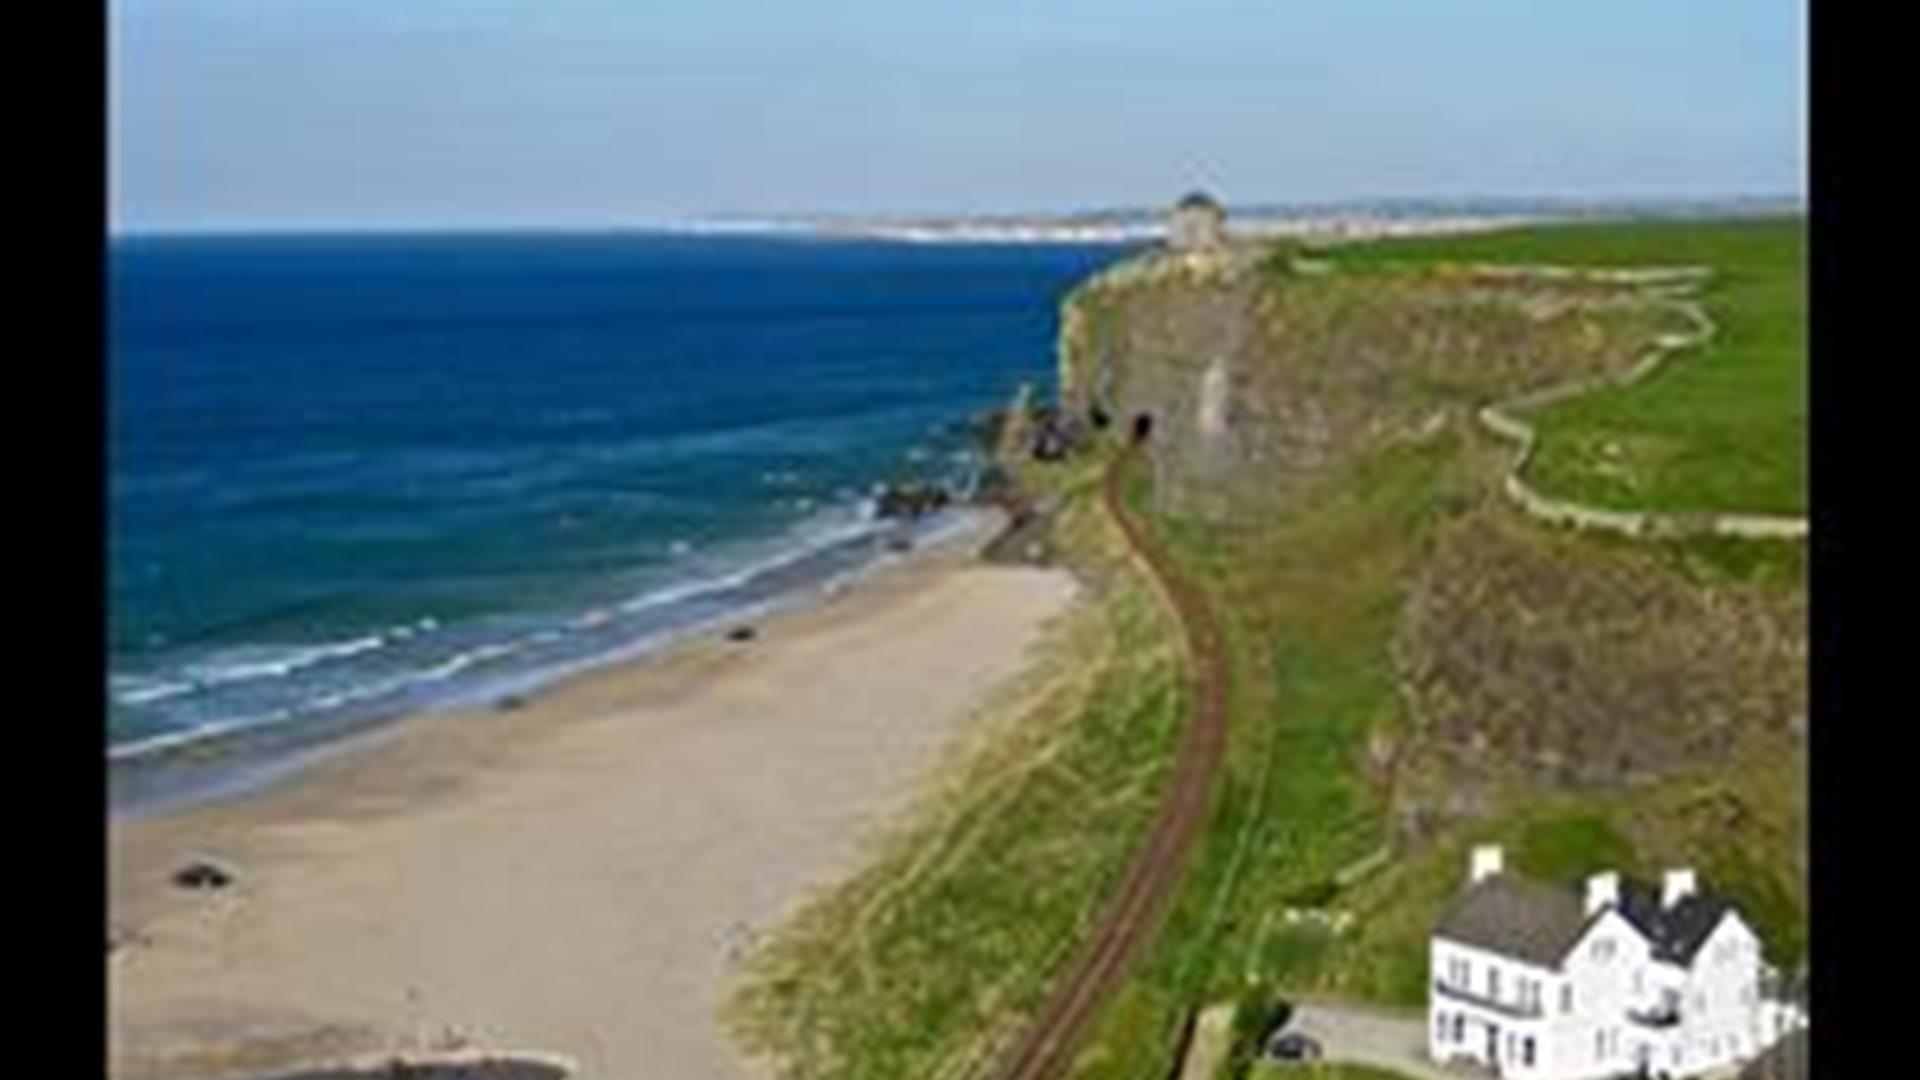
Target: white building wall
[
  {"x": 1595, "y": 1039},
  {"x": 1499, "y": 987},
  {"x": 1724, "y": 1020}
]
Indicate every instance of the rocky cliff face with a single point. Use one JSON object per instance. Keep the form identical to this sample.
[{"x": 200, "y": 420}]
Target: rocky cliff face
[{"x": 1258, "y": 374}]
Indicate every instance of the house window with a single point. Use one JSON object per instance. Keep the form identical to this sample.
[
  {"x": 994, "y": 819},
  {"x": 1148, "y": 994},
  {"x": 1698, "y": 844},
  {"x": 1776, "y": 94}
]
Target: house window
[
  {"x": 1458, "y": 973},
  {"x": 1599, "y": 1045},
  {"x": 1440, "y": 1027},
  {"x": 1526, "y": 1051},
  {"x": 1603, "y": 950},
  {"x": 1493, "y": 983},
  {"x": 1459, "y": 1027},
  {"x": 1566, "y": 998}
]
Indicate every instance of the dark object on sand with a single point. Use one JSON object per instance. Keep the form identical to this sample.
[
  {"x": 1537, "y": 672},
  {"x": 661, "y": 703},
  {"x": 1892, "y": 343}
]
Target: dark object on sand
[
  {"x": 910, "y": 500},
  {"x": 742, "y": 633},
  {"x": 900, "y": 543},
  {"x": 204, "y": 874},
  {"x": 510, "y": 702}
]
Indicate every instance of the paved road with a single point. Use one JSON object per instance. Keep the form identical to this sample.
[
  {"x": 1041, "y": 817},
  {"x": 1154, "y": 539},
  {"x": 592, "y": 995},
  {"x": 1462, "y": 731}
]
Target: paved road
[
  {"x": 1393, "y": 1041},
  {"x": 1133, "y": 913}
]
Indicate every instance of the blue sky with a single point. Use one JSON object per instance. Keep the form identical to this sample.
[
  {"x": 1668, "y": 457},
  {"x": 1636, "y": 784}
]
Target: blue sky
[{"x": 393, "y": 113}]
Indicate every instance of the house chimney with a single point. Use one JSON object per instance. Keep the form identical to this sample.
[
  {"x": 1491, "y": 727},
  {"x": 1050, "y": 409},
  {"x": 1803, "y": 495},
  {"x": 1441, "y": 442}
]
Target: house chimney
[
  {"x": 1488, "y": 860},
  {"x": 1602, "y": 890},
  {"x": 1678, "y": 884}
]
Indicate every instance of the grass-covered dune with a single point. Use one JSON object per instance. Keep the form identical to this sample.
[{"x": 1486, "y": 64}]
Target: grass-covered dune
[{"x": 926, "y": 961}]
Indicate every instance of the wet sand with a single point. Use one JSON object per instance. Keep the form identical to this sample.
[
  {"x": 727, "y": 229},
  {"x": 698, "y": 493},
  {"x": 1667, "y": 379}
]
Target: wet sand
[{"x": 570, "y": 877}]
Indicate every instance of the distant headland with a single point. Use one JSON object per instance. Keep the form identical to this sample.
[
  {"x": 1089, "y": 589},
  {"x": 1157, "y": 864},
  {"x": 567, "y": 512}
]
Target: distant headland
[{"x": 1341, "y": 219}]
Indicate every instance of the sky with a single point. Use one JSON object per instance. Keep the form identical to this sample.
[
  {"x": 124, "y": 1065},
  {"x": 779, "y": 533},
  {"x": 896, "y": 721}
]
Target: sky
[{"x": 226, "y": 114}]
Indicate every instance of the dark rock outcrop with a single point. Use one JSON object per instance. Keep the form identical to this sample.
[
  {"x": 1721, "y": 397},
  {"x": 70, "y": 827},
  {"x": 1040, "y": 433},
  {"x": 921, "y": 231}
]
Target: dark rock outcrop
[
  {"x": 911, "y": 500},
  {"x": 1056, "y": 435}
]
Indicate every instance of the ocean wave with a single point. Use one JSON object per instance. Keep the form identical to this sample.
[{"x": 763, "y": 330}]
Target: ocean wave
[
  {"x": 251, "y": 663},
  {"x": 139, "y": 690},
  {"x": 174, "y": 740},
  {"x": 462, "y": 661},
  {"x": 806, "y": 543},
  {"x": 329, "y": 702},
  {"x": 824, "y": 534},
  {"x": 274, "y": 662}
]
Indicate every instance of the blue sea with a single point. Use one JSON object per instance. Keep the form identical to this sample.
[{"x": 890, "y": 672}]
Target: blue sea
[{"x": 356, "y": 476}]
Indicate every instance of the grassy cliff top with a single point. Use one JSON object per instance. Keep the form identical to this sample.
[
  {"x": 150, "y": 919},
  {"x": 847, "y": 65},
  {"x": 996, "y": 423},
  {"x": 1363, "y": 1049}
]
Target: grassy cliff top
[{"x": 1719, "y": 428}]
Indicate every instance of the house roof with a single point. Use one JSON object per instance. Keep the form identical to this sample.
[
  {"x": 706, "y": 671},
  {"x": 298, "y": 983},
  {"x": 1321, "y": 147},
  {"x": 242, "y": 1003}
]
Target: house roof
[
  {"x": 1516, "y": 917},
  {"x": 1198, "y": 200},
  {"x": 1540, "y": 923},
  {"x": 1676, "y": 933}
]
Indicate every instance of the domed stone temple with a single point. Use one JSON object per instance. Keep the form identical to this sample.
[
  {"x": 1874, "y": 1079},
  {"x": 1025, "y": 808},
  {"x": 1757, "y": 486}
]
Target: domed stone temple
[{"x": 1198, "y": 223}]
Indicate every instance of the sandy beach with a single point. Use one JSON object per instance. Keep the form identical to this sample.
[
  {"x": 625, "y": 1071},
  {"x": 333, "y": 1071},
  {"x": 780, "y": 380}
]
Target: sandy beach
[{"x": 571, "y": 876}]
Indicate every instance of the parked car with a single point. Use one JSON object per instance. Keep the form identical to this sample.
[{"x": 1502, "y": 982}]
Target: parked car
[{"x": 1292, "y": 1046}]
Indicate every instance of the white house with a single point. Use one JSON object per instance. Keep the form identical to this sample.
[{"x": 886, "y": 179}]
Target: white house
[{"x": 1540, "y": 982}]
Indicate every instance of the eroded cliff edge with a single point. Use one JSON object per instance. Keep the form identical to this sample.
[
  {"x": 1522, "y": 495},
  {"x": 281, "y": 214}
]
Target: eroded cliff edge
[{"x": 1260, "y": 369}]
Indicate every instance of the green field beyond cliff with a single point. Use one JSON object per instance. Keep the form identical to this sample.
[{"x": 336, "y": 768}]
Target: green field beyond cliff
[
  {"x": 1415, "y": 664},
  {"x": 1723, "y": 427}
]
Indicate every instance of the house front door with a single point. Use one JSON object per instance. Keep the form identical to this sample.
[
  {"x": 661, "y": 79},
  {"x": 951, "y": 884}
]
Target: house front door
[{"x": 1493, "y": 1045}]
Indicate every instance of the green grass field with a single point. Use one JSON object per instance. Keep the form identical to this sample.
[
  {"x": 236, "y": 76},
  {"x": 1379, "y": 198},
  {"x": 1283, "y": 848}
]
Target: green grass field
[
  {"x": 1313, "y": 680},
  {"x": 1721, "y": 428}
]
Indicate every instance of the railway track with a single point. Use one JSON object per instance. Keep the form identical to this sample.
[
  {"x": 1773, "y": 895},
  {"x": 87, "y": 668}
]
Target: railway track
[{"x": 1134, "y": 911}]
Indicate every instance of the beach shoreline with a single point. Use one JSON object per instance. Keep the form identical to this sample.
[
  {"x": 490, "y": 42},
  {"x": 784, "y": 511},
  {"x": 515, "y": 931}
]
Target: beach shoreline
[
  {"x": 210, "y": 763},
  {"x": 570, "y": 876}
]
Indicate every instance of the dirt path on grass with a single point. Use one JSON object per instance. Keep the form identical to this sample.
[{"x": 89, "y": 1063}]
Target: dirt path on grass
[
  {"x": 1676, "y": 285},
  {"x": 1132, "y": 915}
]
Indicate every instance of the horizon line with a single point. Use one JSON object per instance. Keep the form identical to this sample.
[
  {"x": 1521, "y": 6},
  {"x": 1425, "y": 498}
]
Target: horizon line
[{"x": 799, "y": 221}]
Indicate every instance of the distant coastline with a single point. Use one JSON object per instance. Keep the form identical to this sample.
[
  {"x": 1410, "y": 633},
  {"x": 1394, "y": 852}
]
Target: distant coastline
[{"x": 1354, "y": 219}]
